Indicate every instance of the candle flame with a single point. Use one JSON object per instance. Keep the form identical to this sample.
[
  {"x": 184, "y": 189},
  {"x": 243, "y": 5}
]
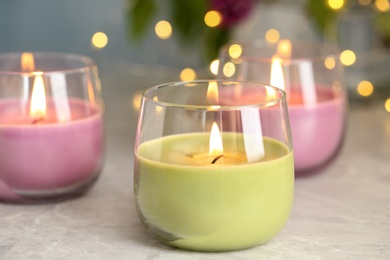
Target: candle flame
[
  {"x": 212, "y": 92},
  {"x": 284, "y": 49},
  {"x": 277, "y": 78},
  {"x": 215, "y": 147},
  {"x": 38, "y": 99},
  {"x": 27, "y": 61}
]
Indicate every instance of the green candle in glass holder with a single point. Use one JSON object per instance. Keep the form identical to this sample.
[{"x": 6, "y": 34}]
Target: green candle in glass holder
[{"x": 200, "y": 183}]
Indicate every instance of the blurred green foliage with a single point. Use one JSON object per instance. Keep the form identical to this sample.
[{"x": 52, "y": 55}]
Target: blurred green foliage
[
  {"x": 187, "y": 20},
  {"x": 326, "y": 18}
]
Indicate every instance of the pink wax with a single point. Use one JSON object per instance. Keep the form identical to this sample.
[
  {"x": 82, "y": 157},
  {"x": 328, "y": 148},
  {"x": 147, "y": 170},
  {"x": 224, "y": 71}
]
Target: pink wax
[
  {"x": 48, "y": 157},
  {"x": 317, "y": 129}
]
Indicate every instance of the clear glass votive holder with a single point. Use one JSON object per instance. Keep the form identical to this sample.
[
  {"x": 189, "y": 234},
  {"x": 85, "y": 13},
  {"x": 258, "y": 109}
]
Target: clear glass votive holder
[
  {"x": 312, "y": 76},
  {"x": 51, "y": 126},
  {"x": 213, "y": 172}
]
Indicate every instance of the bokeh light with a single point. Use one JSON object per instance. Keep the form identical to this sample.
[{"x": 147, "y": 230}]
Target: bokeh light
[
  {"x": 382, "y": 5},
  {"x": 213, "y": 18},
  {"x": 163, "y": 30},
  {"x": 229, "y": 69},
  {"x": 99, "y": 40},
  {"x": 235, "y": 51},
  {"x": 330, "y": 63},
  {"x": 284, "y": 49},
  {"x": 336, "y": 4},
  {"x": 365, "y": 88},
  {"x": 364, "y": 2},
  {"x": 137, "y": 100},
  {"x": 272, "y": 36},
  {"x": 187, "y": 74},
  {"x": 214, "y": 65},
  {"x": 347, "y": 58},
  {"x": 387, "y": 105}
]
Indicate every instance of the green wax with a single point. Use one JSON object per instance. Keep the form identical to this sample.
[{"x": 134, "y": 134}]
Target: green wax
[{"x": 212, "y": 207}]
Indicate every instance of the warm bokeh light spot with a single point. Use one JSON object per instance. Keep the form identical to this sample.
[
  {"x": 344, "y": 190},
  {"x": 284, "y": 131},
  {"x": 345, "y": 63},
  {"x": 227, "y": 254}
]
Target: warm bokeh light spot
[
  {"x": 214, "y": 65},
  {"x": 212, "y": 92},
  {"x": 382, "y": 5},
  {"x": 364, "y": 2},
  {"x": 365, "y": 88},
  {"x": 27, "y": 60},
  {"x": 163, "y": 30},
  {"x": 272, "y": 36},
  {"x": 99, "y": 40},
  {"x": 330, "y": 63},
  {"x": 284, "y": 49},
  {"x": 187, "y": 74},
  {"x": 387, "y": 105},
  {"x": 137, "y": 100},
  {"x": 336, "y": 4},
  {"x": 229, "y": 69},
  {"x": 213, "y": 18},
  {"x": 347, "y": 58},
  {"x": 235, "y": 51}
]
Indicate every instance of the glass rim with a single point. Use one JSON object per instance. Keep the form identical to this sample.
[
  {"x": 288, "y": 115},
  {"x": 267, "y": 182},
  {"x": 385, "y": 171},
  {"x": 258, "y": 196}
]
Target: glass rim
[
  {"x": 86, "y": 62},
  {"x": 276, "y": 100},
  {"x": 331, "y": 50}
]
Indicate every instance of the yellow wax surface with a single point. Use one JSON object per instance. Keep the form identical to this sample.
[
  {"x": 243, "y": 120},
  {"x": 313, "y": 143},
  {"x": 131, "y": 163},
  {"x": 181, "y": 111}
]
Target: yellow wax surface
[{"x": 212, "y": 207}]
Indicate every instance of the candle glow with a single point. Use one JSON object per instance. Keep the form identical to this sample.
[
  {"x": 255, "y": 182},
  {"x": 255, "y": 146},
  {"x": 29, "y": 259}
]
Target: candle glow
[
  {"x": 212, "y": 92},
  {"x": 27, "y": 60},
  {"x": 277, "y": 78},
  {"x": 38, "y": 99},
  {"x": 284, "y": 49},
  {"x": 216, "y": 147}
]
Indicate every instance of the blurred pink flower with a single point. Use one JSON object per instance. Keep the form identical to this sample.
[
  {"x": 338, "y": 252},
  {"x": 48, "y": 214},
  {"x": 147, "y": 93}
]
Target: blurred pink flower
[{"x": 232, "y": 11}]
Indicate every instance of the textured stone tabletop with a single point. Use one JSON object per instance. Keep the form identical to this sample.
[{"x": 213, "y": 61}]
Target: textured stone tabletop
[{"x": 343, "y": 212}]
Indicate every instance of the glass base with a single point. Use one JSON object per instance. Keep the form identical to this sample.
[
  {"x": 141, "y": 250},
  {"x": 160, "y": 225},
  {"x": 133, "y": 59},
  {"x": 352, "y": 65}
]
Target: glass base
[
  {"x": 52, "y": 195},
  {"x": 187, "y": 243},
  {"x": 316, "y": 169}
]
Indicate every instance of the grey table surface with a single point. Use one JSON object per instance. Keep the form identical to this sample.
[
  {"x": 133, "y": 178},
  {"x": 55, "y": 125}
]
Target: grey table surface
[{"x": 343, "y": 212}]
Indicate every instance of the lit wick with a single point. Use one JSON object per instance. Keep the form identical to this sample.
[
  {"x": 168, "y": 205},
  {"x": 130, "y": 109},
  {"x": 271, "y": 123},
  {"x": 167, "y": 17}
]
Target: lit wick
[{"x": 217, "y": 158}]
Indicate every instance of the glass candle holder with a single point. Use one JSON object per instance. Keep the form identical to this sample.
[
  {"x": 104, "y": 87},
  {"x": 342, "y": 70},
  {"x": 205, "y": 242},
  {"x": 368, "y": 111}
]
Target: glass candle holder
[
  {"x": 213, "y": 171},
  {"x": 312, "y": 76},
  {"x": 51, "y": 126}
]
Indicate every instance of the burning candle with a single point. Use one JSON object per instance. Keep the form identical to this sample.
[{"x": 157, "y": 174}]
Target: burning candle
[
  {"x": 315, "y": 97},
  {"x": 210, "y": 190},
  {"x": 50, "y": 142}
]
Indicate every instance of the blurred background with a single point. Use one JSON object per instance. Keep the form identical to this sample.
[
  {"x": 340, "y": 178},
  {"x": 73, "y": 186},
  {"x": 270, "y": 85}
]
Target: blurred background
[{"x": 178, "y": 39}]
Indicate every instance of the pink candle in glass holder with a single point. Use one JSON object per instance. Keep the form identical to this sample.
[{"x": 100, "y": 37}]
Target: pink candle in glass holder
[
  {"x": 316, "y": 111},
  {"x": 317, "y": 129},
  {"x": 51, "y": 146},
  {"x": 311, "y": 77}
]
